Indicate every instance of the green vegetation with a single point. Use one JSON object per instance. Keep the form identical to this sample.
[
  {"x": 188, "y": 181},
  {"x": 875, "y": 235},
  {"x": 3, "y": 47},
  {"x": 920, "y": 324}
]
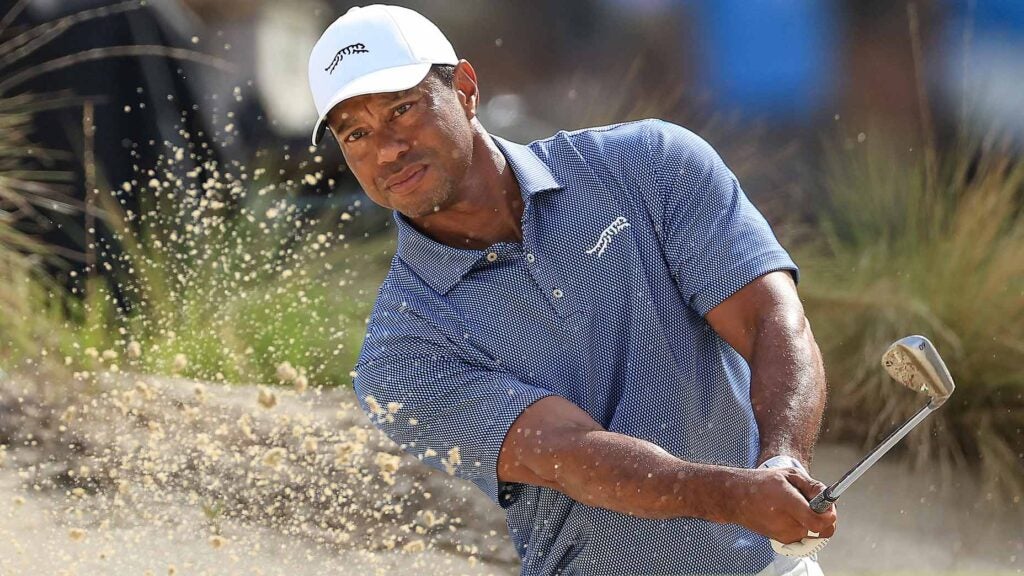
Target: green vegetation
[
  {"x": 29, "y": 299},
  {"x": 213, "y": 273},
  {"x": 225, "y": 282},
  {"x": 29, "y": 314},
  {"x": 897, "y": 248},
  {"x": 36, "y": 315}
]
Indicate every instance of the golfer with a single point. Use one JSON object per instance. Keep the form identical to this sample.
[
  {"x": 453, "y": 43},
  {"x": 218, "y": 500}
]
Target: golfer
[{"x": 597, "y": 329}]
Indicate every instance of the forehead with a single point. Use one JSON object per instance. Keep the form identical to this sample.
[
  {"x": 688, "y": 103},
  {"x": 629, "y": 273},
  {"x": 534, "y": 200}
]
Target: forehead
[{"x": 345, "y": 111}]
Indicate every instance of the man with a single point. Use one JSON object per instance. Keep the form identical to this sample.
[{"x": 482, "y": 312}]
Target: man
[{"x": 597, "y": 329}]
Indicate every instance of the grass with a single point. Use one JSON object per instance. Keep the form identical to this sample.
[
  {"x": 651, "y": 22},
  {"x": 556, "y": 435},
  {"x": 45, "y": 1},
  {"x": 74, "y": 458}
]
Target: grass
[
  {"x": 202, "y": 278},
  {"x": 39, "y": 317},
  {"x": 231, "y": 296},
  {"x": 30, "y": 300},
  {"x": 893, "y": 251},
  {"x": 29, "y": 315}
]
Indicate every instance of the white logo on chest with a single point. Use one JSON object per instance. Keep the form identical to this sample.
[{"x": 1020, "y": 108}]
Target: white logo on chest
[{"x": 606, "y": 236}]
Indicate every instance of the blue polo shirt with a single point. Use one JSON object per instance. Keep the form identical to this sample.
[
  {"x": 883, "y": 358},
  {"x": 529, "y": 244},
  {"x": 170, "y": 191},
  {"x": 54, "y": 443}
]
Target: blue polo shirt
[{"x": 631, "y": 234}]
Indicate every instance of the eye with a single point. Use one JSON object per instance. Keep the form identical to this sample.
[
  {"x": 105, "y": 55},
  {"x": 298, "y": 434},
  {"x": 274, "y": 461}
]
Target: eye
[
  {"x": 402, "y": 109},
  {"x": 355, "y": 135}
]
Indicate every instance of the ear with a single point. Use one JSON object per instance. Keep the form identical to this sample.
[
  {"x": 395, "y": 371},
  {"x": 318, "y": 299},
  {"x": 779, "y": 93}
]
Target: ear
[{"x": 467, "y": 88}]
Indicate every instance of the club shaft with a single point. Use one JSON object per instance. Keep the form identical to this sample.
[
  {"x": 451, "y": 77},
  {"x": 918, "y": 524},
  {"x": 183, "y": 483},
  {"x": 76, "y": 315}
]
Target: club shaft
[{"x": 850, "y": 477}]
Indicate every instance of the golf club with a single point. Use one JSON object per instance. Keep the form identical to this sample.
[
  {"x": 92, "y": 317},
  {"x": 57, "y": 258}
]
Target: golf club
[{"x": 913, "y": 362}]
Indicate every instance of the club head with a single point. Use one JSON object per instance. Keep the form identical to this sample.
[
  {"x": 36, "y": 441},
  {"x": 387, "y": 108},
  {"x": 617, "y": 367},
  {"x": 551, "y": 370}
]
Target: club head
[{"x": 914, "y": 362}]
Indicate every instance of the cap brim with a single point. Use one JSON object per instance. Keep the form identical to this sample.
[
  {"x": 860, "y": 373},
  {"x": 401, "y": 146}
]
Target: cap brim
[{"x": 387, "y": 80}]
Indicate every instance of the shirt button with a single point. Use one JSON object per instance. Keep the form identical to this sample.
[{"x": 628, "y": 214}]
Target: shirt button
[
  {"x": 530, "y": 258},
  {"x": 491, "y": 256},
  {"x": 557, "y": 293}
]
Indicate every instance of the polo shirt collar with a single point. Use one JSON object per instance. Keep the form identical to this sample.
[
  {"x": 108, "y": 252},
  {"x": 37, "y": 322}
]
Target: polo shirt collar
[
  {"x": 532, "y": 174},
  {"x": 442, "y": 266}
]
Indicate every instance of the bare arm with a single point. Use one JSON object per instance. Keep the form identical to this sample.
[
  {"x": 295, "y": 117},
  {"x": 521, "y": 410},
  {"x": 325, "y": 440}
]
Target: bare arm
[
  {"x": 556, "y": 444},
  {"x": 764, "y": 321}
]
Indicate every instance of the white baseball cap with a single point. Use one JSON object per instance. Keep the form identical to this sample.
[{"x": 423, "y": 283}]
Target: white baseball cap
[{"x": 373, "y": 49}]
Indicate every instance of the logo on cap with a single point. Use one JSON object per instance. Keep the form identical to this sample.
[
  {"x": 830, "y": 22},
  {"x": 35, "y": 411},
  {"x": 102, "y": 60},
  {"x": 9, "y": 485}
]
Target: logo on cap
[{"x": 358, "y": 48}]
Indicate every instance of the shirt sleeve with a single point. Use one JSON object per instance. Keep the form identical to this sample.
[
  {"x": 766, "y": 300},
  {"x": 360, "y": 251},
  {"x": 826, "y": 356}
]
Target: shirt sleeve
[
  {"x": 436, "y": 401},
  {"x": 715, "y": 240}
]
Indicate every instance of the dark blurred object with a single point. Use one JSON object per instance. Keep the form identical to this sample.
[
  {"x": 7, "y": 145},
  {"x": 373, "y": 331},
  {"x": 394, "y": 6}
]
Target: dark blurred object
[
  {"x": 137, "y": 102},
  {"x": 146, "y": 106}
]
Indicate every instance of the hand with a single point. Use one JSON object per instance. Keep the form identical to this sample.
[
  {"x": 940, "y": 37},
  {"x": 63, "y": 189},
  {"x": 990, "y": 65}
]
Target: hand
[{"x": 774, "y": 502}]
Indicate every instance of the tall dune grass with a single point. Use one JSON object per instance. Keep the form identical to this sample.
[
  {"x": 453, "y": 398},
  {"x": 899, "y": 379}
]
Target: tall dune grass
[
  {"x": 892, "y": 252},
  {"x": 224, "y": 278},
  {"x": 30, "y": 301}
]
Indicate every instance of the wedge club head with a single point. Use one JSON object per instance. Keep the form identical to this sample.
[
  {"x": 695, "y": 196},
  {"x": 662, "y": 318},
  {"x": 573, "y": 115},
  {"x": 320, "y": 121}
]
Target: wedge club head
[{"x": 914, "y": 362}]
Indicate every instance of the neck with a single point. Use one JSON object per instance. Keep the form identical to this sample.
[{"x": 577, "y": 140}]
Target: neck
[{"x": 488, "y": 206}]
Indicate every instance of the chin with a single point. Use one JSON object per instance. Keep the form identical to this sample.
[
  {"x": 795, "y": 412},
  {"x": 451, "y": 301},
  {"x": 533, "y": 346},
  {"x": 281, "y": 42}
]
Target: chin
[
  {"x": 418, "y": 211},
  {"x": 427, "y": 201}
]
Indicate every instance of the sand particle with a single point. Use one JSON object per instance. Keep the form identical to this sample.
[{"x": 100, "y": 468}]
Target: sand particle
[
  {"x": 274, "y": 457},
  {"x": 286, "y": 372},
  {"x": 266, "y": 398},
  {"x": 180, "y": 363}
]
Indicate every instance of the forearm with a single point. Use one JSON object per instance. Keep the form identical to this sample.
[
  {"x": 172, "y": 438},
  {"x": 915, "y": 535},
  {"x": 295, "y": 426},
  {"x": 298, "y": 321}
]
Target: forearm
[
  {"x": 636, "y": 477},
  {"x": 557, "y": 445},
  {"x": 787, "y": 387}
]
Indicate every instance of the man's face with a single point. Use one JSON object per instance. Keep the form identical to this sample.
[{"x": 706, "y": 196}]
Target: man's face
[{"x": 410, "y": 149}]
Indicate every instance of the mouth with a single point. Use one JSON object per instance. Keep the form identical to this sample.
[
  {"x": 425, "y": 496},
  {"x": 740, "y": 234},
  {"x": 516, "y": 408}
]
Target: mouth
[{"x": 406, "y": 180}]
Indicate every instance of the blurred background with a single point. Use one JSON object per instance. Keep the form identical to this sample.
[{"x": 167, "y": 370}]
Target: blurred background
[{"x": 162, "y": 212}]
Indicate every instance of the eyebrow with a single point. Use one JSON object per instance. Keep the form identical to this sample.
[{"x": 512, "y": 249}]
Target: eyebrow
[{"x": 389, "y": 98}]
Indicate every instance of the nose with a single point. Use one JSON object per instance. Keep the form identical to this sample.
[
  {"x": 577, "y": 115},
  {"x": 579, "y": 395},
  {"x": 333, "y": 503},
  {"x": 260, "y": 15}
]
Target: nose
[{"x": 390, "y": 145}]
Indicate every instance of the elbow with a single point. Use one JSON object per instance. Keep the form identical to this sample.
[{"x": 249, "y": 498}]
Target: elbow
[
  {"x": 574, "y": 468},
  {"x": 784, "y": 324},
  {"x": 568, "y": 468}
]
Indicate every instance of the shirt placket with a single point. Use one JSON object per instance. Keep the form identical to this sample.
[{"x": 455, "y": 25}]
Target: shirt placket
[{"x": 560, "y": 298}]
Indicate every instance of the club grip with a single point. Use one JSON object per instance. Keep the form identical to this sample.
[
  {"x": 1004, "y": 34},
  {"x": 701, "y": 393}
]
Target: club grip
[{"x": 822, "y": 501}]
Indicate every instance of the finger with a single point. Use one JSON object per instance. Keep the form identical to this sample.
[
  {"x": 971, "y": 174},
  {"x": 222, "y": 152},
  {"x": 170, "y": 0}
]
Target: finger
[
  {"x": 820, "y": 523},
  {"x": 810, "y": 488},
  {"x": 807, "y": 486},
  {"x": 832, "y": 529},
  {"x": 798, "y": 531},
  {"x": 794, "y": 532},
  {"x": 802, "y": 513},
  {"x": 809, "y": 521}
]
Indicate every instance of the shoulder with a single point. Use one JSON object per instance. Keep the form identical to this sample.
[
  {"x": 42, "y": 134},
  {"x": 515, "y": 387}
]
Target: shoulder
[
  {"x": 638, "y": 136},
  {"x": 397, "y": 325},
  {"x": 407, "y": 304},
  {"x": 401, "y": 287},
  {"x": 645, "y": 148}
]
